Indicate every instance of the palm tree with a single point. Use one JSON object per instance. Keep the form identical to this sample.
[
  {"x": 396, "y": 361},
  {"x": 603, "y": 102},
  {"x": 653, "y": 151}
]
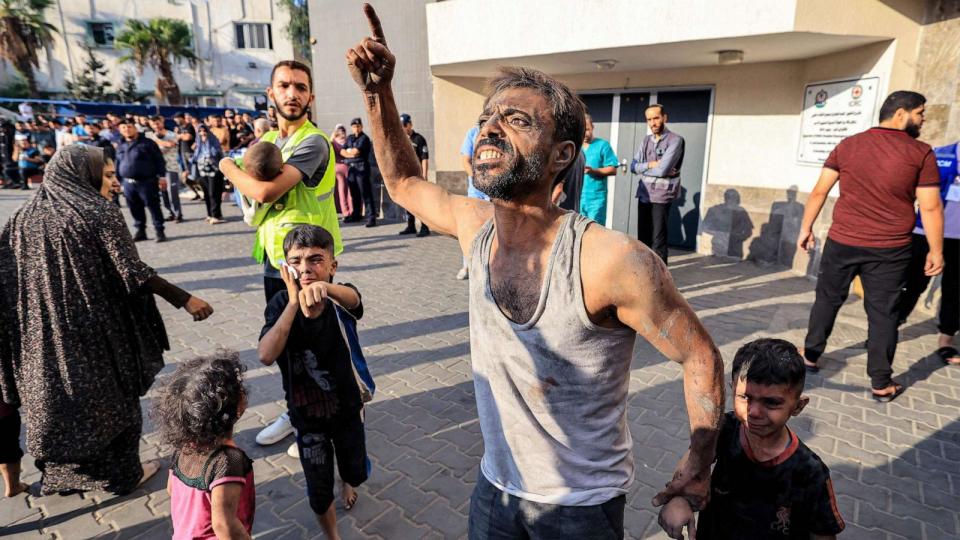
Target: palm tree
[
  {"x": 159, "y": 43},
  {"x": 23, "y": 32}
]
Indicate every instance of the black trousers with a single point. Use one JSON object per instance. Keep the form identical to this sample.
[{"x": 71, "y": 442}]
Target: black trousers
[
  {"x": 652, "y": 226},
  {"x": 141, "y": 195},
  {"x": 213, "y": 194},
  {"x": 361, "y": 190},
  {"x": 949, "y": 315},
  {"x": 271, "y": 286},
  {"x": 883, "y": 272}
]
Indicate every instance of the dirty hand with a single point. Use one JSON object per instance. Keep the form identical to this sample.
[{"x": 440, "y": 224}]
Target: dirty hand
[
  {"x": 370, "y": 62},
  {"x": 293, "y": 286},
  {"x": 674, "y": 516},
  {"x": 691, "y": 480},
  {"x": 313, "y": 299},
  {"x": 198, "y": 308}
]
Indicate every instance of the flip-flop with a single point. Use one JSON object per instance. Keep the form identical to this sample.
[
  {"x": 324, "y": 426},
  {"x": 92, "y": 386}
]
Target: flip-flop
[
  {"x": 887, "y": 398},
  {"x": 946, "y": 353}
]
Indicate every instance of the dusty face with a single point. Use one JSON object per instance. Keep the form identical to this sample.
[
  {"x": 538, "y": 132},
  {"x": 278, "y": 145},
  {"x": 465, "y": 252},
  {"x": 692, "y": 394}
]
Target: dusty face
[
  {"x": 514, "y": 144},
  {"x": 765, "y": 409},
  {"x": 655, "y": 120},
  {"x": 109, "y": 184},
  {"x": 312, "y": 263},
  {"x": 290, "y": 91}
]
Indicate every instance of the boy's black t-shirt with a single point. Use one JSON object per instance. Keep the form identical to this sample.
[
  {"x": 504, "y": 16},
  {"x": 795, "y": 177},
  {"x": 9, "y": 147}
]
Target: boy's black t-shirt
[
  {"x": 790, "y": 496},
  {"x": 318, "y": 377}
]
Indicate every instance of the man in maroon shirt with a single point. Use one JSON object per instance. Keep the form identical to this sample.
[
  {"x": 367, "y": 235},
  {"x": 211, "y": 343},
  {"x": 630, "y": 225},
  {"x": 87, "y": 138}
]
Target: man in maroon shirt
[{"x": 882, "y": 173}]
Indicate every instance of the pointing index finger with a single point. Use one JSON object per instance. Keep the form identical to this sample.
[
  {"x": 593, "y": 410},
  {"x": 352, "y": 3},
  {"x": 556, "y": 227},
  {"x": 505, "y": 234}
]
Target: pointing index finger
[{"x": 376, "y": 29}]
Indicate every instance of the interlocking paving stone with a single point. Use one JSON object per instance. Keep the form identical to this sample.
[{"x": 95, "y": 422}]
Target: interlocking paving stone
[{"x": 896, "y": 467}]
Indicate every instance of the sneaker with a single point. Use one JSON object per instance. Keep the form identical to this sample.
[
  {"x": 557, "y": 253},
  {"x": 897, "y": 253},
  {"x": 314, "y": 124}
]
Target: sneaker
[
  {"x": 140, "y": 236},
  {"x": 276, "y": 431},
  {"x": 293, "y": 451},
  {"x": 161, "y": 237},
  {"x": 371, "y": 223},
  {"x": 463, "y": 274},
  {"x": 424, "y": 231},
  {"x": 178, "y": 219},
  {"x": 408, "y": 230},
  {"x": 171, "y": 217}
]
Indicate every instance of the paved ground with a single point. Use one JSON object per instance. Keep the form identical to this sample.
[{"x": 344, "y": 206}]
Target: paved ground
[{"x": 896, "y": 467}]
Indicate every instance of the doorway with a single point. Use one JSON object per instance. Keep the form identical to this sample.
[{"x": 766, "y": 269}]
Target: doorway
[{"x": 619, "y": 118}]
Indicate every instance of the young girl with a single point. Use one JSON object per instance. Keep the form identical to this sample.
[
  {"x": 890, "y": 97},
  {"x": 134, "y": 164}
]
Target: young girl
[{"x": 211, "y": 480}]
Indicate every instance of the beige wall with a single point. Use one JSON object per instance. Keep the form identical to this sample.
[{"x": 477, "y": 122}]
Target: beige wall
[
  {"x": 457, "y": 102},
  {"x": 938, "y": 72}
]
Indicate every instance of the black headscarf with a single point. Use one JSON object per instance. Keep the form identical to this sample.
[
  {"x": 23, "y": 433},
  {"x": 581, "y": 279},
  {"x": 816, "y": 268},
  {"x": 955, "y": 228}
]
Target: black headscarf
[{"x": 85, "y": 337}]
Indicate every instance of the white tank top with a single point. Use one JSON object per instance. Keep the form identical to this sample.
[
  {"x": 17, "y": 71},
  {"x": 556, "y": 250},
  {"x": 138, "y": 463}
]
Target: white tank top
[{"x": 552, "y": 392}]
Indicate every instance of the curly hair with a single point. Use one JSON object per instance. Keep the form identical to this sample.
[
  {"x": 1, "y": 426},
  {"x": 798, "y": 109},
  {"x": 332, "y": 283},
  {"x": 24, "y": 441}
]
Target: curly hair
[{"x": 200, "y": 403}]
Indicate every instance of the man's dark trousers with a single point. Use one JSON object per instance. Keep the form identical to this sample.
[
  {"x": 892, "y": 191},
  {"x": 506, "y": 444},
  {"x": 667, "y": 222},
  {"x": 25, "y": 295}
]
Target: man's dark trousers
[
  {"x": 140, "y": 195},
  {"x": 361, "y": 189},
  {"x": 883, "y": 272},
  {"x": 652, "y": 226},
  {"x": 917, "y": 281}
]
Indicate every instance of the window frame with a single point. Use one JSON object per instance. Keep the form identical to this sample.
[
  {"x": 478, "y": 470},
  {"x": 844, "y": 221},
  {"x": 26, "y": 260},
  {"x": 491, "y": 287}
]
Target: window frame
[
  {"x": 246, "y": 35},
  {"x": 90, "y": 33}
]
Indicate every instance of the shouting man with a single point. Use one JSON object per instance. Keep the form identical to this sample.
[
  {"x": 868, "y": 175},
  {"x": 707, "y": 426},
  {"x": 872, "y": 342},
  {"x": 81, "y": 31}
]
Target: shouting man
[{"x": 551, "y": 340}]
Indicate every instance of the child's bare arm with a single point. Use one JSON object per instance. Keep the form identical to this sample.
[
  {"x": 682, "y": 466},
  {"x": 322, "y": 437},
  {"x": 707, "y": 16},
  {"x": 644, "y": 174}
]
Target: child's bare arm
[
  {"x": 675, "y": 515},
  {"x": 224, "y": 500},
  {"x": 343, "y": 295}
]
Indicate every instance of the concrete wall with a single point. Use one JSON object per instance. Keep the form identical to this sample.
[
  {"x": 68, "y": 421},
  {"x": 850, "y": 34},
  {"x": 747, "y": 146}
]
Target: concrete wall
[
  {"x": 223, "y": 68},
  {"x": 338, "y": 25},
  {"x": 938, "y": 71}
]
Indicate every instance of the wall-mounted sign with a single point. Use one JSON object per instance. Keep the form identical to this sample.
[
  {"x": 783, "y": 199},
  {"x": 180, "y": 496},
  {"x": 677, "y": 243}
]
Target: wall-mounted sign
[{"x": 833, "y": 111}]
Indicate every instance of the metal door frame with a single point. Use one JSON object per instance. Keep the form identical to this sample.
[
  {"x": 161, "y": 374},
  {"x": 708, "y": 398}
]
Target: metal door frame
[{"x": 615, "y": 134}]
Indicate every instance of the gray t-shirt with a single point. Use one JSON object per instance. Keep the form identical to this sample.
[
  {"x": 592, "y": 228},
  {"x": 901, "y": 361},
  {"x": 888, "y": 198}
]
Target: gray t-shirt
[{"x": 310, "y": 158}]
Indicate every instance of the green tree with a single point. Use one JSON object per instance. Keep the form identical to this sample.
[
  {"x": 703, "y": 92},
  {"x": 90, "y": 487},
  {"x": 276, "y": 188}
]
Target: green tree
[
  {"x": 160, "y": 44},
  {"x": 23, "y": 33},
  {"x": 128, "y": 92},
  {"x": 299, "y": 28},
  {"x": 90, "y": 84}
]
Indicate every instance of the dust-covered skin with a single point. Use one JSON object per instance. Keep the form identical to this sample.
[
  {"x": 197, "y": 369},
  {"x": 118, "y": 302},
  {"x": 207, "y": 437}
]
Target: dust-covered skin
[{"x": 624, "y": 283}]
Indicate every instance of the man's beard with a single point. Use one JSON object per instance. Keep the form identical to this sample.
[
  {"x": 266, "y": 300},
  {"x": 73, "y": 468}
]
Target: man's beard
[
  {"x": 292, "y": 117},
  {"x": 912, "y": 128},
  {"x": 521, "y": 178}
]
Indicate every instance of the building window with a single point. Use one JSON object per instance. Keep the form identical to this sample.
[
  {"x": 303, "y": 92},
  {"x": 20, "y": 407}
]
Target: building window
[
  {"x": 254, "y": 36},
  {"x": 100, "y": 34}
]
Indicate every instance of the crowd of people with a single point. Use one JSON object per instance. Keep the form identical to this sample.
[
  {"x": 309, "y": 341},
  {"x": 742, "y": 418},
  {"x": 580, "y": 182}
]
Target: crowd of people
[{"x": 551, "y": 339}]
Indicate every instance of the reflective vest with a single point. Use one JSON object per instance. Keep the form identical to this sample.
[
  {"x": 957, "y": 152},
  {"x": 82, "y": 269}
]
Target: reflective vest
[{"x": 301, "y": 205}]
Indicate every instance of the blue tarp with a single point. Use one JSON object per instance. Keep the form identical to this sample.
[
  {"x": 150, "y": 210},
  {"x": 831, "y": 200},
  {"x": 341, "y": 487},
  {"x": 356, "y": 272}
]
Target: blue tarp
[{"x": 66, "y": 108}]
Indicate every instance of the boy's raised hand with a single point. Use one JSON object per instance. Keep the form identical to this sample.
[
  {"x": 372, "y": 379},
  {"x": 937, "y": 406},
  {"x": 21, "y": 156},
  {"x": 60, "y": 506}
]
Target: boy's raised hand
[
  {"x": 293, "y": 287},
  {"x": 370, "y": 62},
  {"x": 313, "y": 298}
]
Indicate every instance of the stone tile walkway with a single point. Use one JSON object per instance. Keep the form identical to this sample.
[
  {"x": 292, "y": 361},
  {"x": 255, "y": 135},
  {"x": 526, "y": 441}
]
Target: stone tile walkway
[{"x": 896, "y": 467}]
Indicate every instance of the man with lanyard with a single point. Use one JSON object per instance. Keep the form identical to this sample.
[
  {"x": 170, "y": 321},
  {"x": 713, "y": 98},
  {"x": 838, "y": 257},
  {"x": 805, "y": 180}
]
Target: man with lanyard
[
  {"x": 658, "y": 163},
  {"x": 423, "y": 154},
  {"x": 917, "y": 281},
  {"x": 301, "y": 193}
]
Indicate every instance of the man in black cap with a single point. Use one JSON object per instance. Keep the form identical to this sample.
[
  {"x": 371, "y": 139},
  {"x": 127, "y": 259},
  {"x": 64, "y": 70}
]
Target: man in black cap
[
  {"x": 356, "y": 154},
  {"x": 423, "y": 155}
]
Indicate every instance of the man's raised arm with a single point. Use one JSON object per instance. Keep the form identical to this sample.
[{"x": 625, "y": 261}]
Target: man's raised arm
[{"x": 371, "y": 65}]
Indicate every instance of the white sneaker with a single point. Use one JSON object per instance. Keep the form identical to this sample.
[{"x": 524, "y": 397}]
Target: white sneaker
[
  {"x": 293, "y": 451},
  {"x": 276, "y": 431},
  {"x": 463, "y": 274}
]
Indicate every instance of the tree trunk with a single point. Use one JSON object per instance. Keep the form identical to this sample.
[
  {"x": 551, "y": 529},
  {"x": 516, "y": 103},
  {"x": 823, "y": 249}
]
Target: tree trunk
[
  {"x": 167, "y": 89},
  {"x": 25, "y": 68}
]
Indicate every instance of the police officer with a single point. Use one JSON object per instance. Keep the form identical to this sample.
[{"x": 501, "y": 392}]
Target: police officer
[
  {"x": 356, "y": 154},
  {"x": 423, "y": 154}
]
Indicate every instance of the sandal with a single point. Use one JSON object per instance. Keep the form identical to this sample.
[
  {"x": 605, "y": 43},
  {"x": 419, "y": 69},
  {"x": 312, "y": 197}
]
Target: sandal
[
  {"x": 887, "y": 398},
  {"x": 949, "y": 355},
  {"x": 811, "y": 367}
]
